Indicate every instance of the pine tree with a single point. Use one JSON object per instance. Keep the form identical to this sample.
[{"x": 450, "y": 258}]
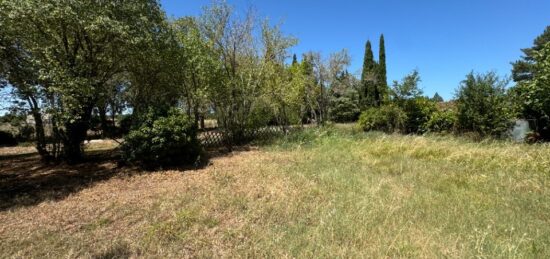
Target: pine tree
[
  {"x": 368, "y": 77},
  {"x": 382, "y": 82},
  {"x": 523, "y": 69}
]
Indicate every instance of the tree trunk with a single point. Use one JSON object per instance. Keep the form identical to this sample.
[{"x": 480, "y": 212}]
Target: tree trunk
[
  {"x": 39, "y": 130},
  {"x": 196, "y": 115},
  {"x": 76, "y": 133},
  {"x": 113, "y": 114},
  {"x": 202, "y": 122},
  {"x": 105, "y": 129}
]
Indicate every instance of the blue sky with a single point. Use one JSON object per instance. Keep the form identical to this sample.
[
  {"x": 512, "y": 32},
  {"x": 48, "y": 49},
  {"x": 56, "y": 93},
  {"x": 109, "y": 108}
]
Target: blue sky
[{"x": 443, "y": 39}]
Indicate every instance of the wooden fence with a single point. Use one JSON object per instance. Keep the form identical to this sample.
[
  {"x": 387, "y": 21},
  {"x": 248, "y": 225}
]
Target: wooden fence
[{"x": 212, "y": 138}]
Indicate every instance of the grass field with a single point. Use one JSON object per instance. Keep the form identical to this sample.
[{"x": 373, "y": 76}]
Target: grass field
[{"x": 319, "y": 193}]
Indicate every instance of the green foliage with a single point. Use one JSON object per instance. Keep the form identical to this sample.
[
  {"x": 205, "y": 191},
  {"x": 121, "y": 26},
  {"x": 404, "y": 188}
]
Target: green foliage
[
  {"x": 442, "y": 121},
  {"x": 525, "y": 69},
  {"x": 408, "y": 96},
  {"x": 69, "y": 56},
  {"x": 408, "y": 87},
  {"x": 7, "y": 139},
  {"x": 437, "y": 98},
  {"x": 247, "y": 77},
  {"x": 483, "y": 106},
  {"x": 344, "y": 109},
  {"x": 373, "y": 90},
  {"x": 387, "y": 118},
  {"x": 16, "y": 119},
  {"x": 533, "y": 95},
  {"x": 382, "y": 82},
  {"x": 163, "y": 141},
  {"x": 368, "y": 78},
  {"x": 419, "y": 110}
]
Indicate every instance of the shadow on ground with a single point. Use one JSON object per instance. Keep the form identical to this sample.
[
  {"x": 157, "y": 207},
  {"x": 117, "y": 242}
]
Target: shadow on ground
[{"x": 26, "y": 181}]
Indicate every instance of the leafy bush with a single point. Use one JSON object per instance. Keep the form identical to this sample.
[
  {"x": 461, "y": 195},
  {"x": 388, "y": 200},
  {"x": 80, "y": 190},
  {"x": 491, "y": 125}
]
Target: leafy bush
[
  {"x": 164, "y": 141},
  {"x": 441, "y": 121},
  {"x": 483, "y": 105},
  {"x": 344, "y": 109},
  {"x": 388, "y": 118},
  {"x": 408, "y": 96},
  {"x": 7, "y": 139},
  {"x": 419, "y": 110}
]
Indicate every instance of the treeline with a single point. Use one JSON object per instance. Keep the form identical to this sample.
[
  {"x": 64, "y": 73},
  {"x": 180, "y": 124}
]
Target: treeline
[
  {"x": 72, "y": 63},
  {"x": 483, "y": 105},
  {"x": 75, "y": 65}
]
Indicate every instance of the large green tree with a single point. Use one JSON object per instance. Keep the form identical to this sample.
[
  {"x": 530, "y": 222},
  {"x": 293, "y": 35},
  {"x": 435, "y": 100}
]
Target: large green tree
[
  {"x": 532, "y": 92},
  {"x": 533, "y": 95},
  {"x": 251, "y": 69},
  {"x": 77, "y": 48}
]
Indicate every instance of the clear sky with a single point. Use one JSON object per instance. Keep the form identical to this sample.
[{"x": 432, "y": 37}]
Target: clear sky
[{"x": 443, "y": 39}]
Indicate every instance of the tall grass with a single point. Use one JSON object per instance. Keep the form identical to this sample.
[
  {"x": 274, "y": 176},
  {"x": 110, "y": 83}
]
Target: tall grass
[
  {"x": 331, "y": 192},
  {"x": 394, "y": 195}
]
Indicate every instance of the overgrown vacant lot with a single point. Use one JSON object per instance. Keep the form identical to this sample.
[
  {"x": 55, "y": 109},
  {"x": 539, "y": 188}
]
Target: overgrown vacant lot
[{"x": 320, "y": 192}]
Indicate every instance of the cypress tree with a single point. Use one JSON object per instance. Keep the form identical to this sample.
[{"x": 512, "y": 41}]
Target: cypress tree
[
  {"x": 368, "y": 77},
  {"x": 382, "y": 82},
  {"x": 437, "y": 98}
]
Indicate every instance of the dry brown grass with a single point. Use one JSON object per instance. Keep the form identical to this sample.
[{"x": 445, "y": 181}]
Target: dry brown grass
[
  {"x": 138, "y": 213},
  {"x": 324, "y": 194}
]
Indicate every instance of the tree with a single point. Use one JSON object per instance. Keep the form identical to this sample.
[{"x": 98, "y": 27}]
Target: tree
[
  {"x": 77, "y": 48},
  {"x": 313, "y": 86},
  {"x": 198, "y": 68},
  {"x": 533, "y": 95},
  {"x": 369, "y": 78},
  {"x": 483, "y": 105},
  {"x": 524, "y": 69},
  {"x": 154, "y": 68},
  {"x": 408, "y": 87},
  {"x": 276, "y": 77},
  {"x": 249, "y": 72},
  {"x": 382, "y": 82},
  {"x": 18, "y": 70},
  {"x": 437, "y": 98},
  {"x": 294, "y": 60}
]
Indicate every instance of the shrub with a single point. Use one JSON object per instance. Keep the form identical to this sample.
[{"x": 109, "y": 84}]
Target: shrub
[
  {"x": 408, "y": 96},
  {"x": 164, "y": 141},
  {"x": 343, "y": 109},
  {"x": 483, "y": 105},
  {"x": 441, "y": 121},
  {"x": 419, "y": 110},
  {"x": 388, "y": 118},
  {"x": 7, "y": 139}
]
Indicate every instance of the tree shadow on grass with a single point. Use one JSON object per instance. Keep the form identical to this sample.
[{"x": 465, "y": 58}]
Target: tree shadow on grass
[{"x": 26, "y": 181}]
